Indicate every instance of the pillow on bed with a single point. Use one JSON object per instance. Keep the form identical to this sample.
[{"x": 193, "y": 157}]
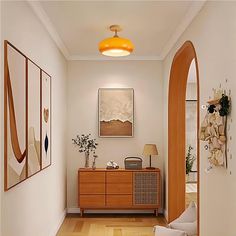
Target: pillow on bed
[
  {"x": 163, "y": 231},
  {"x": 189, "y": 228}
]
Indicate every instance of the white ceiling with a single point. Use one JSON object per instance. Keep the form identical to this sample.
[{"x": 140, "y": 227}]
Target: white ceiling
[{"x": 153, "y": 26}]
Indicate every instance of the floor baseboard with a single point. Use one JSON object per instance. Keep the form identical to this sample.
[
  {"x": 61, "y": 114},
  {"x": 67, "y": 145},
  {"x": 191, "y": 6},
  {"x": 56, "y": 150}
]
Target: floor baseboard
[
  {"x": 73, "y": 210},
  {"x": 58, "y": 224}
]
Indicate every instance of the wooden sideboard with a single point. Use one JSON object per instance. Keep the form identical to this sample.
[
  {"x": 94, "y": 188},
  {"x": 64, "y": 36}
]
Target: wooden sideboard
[{"x": 119, "y": 189}]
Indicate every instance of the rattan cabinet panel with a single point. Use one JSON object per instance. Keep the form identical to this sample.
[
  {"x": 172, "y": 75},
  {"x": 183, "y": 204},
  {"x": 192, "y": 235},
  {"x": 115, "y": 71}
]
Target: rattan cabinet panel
[{"x": 146, "y": 188}]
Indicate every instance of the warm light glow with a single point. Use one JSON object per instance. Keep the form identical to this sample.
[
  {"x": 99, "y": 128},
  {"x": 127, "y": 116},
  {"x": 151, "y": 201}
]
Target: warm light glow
[
  {"x": 115, "y": 53},
  {"x": 116, "y": 47}
]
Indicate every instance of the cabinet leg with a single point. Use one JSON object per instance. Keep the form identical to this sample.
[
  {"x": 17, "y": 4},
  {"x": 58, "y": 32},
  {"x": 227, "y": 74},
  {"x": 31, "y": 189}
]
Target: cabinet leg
[
  {"x": 156, "y": 212},
  {"x": 81, "y": 212}
]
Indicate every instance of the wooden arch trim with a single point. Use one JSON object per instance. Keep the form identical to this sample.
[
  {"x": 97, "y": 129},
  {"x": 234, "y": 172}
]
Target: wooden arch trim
[{"x": 176, "y": 129}]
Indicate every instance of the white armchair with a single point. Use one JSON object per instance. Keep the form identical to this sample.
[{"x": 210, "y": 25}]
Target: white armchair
[
  {"x": 163, "y": 231},
  {"x": 185, "y": 224}
]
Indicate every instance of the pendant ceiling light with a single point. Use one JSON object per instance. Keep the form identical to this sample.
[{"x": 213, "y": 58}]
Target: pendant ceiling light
[{"x": 116, "y": 46}]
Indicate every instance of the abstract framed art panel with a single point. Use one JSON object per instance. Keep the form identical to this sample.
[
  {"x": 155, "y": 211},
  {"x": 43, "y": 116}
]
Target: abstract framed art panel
[
  {"x": 34, "y": 100},
  {"x": 116, "y": 112},
  {"x": 15, "y": 117},
  {"x": 46, "y": 120},
  {"x": 25, "y": 94}
]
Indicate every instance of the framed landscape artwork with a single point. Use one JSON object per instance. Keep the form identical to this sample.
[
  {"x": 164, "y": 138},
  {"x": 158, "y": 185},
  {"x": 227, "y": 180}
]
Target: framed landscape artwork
[
  {"x": 27, "y": 122},
  {"x": 116, "y": 112}
]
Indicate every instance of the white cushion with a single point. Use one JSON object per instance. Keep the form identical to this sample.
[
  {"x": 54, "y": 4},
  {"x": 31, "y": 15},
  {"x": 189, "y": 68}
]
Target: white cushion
[
  {"x": 190, "y": 228},
  {"x": 189, "y": 215},
  {"x": 163, "y": 231}
]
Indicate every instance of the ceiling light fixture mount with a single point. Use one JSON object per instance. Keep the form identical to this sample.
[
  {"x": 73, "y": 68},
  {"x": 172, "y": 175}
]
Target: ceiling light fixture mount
[
  {"x": 115, "y": 28},
  {"x": 116, "y": 46}
]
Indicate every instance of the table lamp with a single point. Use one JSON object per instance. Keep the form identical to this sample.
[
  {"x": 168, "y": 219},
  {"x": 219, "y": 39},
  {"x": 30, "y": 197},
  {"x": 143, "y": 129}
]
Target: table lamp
[{"x": 149, "y": 150}]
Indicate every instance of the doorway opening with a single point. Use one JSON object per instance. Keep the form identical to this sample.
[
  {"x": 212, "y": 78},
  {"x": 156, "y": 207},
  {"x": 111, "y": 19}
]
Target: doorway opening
[
  {"x": 181, "y": 64},
  {"x": 191, "y": 136}
]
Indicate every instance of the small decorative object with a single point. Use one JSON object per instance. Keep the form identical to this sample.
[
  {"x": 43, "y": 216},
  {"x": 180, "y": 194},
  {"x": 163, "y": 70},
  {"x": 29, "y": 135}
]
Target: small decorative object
[
  {"x": 116, "y": 107},
  {"x": 112, "y": 165},
  {"x": 189, "y": 160},
  {"x": 133, "y": 163},
  {"x": 94, "y": 161},
  {"x": 149, "y": 150},
  {"x": 213, "y": 128},
  {"x": 86, "y": 145},
  {"x": 46, "y": 114}
]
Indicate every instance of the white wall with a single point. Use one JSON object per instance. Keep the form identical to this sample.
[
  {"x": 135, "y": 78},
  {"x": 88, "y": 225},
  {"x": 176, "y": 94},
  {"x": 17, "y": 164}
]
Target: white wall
[
  {"x": 36, "y": 206},
  {"x": 213, "y": 33},
  {"x": 85, "y": 78}
]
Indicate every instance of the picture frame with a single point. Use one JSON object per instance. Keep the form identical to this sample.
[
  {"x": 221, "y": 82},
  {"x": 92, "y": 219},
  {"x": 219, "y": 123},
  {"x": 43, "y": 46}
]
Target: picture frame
[
  {"x": 23, "y": 100},
  {"x": 116, "y": 112}
]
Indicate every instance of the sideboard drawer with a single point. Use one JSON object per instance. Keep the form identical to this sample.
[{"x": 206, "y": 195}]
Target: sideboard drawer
[
  {"x": 118, "y": 201},
  {"x": 91, "y": 177},
  {"x": 92, "y": 188},
  {"x": 92, "y": 201},
  {"x": 119, "y": 177},
  {"x": 123, "y": 188}
]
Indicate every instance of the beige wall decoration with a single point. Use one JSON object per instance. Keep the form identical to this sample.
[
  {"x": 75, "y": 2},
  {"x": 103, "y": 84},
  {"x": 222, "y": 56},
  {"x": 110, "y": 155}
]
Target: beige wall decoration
[
  {"x": 46, "y": 121},
  {"x": 15, "y": 117},
  {"x": 24, "y": 96},
  {"x": 213, "y": 128},
  {"x": 116, "y": 106},
  {"x": 33, "y": 152}
]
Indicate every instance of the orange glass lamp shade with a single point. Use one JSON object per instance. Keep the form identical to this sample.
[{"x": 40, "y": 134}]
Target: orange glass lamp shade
[{"x": 116, "y": 46}]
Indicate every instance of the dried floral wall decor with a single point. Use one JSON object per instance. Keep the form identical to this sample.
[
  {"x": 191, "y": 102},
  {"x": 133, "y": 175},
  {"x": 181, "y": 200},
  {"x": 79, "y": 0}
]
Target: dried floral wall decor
[{"x": 213, "y": 128}]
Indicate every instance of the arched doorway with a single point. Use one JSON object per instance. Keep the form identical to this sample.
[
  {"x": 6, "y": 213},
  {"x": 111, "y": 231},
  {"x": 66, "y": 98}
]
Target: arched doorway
[{"x": 176, "y": 129}]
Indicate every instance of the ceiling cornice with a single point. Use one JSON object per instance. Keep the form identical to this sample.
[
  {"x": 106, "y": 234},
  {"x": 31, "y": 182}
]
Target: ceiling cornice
[
  {"x": 188, "y": 18},
  {"x": 43, "y": 17}
]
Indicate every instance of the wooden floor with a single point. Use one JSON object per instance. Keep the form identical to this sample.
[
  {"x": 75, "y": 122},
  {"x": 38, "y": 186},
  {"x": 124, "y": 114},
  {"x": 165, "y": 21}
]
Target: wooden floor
[
  {"x": 110, "y": 225},
  {"x": 190, "y": 197}
]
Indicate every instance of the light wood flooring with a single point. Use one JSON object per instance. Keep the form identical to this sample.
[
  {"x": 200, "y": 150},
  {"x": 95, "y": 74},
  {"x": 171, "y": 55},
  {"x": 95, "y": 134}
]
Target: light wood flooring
[
  {"x": 190, "y": 197},
  {"x": 110, "y": 225}
]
